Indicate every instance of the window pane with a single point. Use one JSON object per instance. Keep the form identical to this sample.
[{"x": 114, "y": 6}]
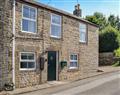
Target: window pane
[
  {"x": 31, "y": 56},
  {"x": 82, "y": 26},
  {"x": 71, "y": 57},
  {"x": 82, "y": 30},
  {"x": 32, "y": 26},
  {"x": 73, "y": 64},
  {"x": 29, "y": 26},
  {"x": 23, "y": 56},
  {"x": 75, "y": 57},
  {"x": 56, "y": 19},
  {"x": 23, "y": 65},
  {"x": 28, "y": 23},
  {"x": 55, "y": 30},
  {"x": 32, "y": 13},
  {"x": 31, "y": 64},
  {"x": 25, "y": 25},
  {"x": 82, "y": 36},
  {"x": 26, "y": 11}
]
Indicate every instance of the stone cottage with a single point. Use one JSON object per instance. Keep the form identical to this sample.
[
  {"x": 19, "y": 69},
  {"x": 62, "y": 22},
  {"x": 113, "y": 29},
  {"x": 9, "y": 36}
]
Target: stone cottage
[{"x": 50, "y": 44}]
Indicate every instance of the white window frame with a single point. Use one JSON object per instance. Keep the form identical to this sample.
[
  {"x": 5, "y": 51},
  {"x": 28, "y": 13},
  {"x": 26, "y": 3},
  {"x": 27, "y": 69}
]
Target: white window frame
[
  {"x": 27, "y": 61},
  {"x": 56, "y": 25},
  {"x": 29, "y": 19},
  {"x": 73, "y": 61},
  {"x": 83, "y": 32}
]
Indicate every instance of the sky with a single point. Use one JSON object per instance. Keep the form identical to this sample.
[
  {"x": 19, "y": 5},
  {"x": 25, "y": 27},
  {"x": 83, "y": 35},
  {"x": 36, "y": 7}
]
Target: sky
[{"x": 88, "y": 7}]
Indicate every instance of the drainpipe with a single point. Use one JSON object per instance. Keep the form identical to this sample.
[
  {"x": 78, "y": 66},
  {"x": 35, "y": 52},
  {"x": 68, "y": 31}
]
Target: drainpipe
[{"x": 13, "y": 47}]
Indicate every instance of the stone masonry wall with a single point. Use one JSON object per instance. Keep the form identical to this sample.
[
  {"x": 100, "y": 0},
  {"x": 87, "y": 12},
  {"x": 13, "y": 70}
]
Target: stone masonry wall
[
  {"x": 106, "y": 58},
  {"x": 89, "y": 53},
  {"x": 41, "y": 42},
  {"x": 5, "y": 42},
  {"x": 88, "y": 61},
  {"x": 27, "y": 42}
]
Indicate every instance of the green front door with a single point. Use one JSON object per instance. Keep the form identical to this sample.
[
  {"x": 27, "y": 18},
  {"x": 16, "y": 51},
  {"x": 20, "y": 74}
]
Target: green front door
[{"x": 51, "y": 65}]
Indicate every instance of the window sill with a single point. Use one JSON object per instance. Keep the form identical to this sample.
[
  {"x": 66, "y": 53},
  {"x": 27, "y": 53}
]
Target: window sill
[
  {"x": 55, "y": 37},
  {"x": 83, "y": 42},
  {"x": 27, "y": 32},
  {"x": 27, "y": 69},
  {"x": 73, "y": 69}
]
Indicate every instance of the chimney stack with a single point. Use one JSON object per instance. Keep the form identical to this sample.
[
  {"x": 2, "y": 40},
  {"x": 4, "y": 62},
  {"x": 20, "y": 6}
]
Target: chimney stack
[{"x": 77, "y": 11}]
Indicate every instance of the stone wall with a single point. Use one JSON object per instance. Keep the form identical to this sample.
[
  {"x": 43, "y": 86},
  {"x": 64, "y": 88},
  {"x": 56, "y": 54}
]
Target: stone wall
[
  {"x": 5, "y": 42},
  {"x": 42, "y": 42},
  {"x": 106, "y": 58},
  {"x": 89, "y": 52}
]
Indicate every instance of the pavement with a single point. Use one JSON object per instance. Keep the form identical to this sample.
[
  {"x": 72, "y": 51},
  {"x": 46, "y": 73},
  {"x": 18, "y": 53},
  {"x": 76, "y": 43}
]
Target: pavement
[{"x": 105, "y": 69}]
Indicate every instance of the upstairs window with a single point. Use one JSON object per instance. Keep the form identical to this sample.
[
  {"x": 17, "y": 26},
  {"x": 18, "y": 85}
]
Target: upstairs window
[
  {"x": 83, "y": 32},
  {"x": 29, "y": 18},
  {"x": 27, "y": 61},
  {"x": 73, "y": 61},
  {"x": 55, "y": 26}
]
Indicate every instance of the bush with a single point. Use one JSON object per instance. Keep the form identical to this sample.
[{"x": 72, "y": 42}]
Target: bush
[
  {"x": 109, "y": 39},
  {"x": 117, "y": 55},
  {"x": 117, "y": 52},
  {"x": 116, "y": 64}
]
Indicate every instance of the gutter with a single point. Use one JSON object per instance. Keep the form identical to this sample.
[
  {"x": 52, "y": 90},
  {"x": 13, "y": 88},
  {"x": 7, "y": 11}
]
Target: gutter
[{"x": 13, "y": 45}]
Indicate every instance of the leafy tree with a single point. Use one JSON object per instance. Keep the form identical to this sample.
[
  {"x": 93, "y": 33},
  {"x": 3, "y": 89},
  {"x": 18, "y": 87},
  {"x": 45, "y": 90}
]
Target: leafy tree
[
  {"x": 111, "y": 20},
  {"x": 109, "y": 39},
  {"x": 118, "y": 26},
  {"x": 114, "y": 21},
  {"x": 117, "y": 52},
  {"x": 98, "y": 18},
  {"x": 118, "y": 23}
]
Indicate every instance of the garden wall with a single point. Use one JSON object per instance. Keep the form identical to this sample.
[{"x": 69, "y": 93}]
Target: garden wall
[{"x": 106, "y": 58}]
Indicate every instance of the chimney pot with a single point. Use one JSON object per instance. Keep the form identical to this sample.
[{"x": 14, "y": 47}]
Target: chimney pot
[
  {"x": 77, "y": 10},
  {"x": 78, "y": 6},
  {"x": 75, "y": 7}
]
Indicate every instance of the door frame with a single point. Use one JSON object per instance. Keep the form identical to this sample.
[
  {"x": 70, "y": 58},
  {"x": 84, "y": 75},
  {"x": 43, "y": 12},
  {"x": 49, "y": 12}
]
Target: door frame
[
  {"x": 57, "y": 65},
  {"x": 57, "y": 62}
]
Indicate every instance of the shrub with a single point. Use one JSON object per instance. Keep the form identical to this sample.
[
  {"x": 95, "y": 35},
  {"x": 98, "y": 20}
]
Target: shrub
[
  {"x": 116, "y": 64},
  {"x": 109, "y": 39},
  {"x": 117, "y": 52}
]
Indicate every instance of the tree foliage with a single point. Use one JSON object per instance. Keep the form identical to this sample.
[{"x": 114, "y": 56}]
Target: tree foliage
[
  {"x": 98, "y": 18},
  {"x": 109, "y": 31},
  {"x": 114, "y": 21},
  {"x": 117, "y": 52},
  {"x": 109, "y": 39}
]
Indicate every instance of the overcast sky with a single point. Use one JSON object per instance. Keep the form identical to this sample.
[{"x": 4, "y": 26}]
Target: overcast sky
[{"x": 88, "y": 7}]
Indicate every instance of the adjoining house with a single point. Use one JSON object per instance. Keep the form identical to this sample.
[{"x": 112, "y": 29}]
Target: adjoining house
[{"x": 50, "y": 44}]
